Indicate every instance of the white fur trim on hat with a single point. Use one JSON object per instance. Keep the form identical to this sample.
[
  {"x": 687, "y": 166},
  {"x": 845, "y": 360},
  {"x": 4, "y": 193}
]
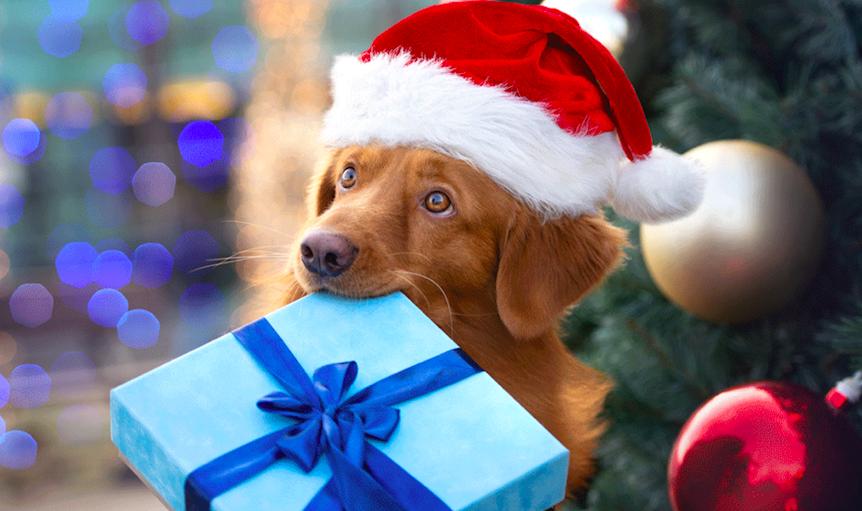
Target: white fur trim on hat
[
  {"x": 395, "y": 101},
  {"x": 661, "y": 187}
]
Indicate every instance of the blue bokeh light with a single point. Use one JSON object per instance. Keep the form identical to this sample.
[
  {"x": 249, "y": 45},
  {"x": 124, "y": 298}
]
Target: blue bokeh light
[
  {"x": 111, "y": 169},
  {"x": 112, "y": 269},
  {"x": 64, "y": 234},
  {"x": 206, "y": 179},
  {"x": 138, "y": 329},
  {"x": 31, "y": 305},
  {"x": 30, "y": 386},
  {"x": 152, "y": 265},
  {"x": 4, "y": 392},
  {"x": 75, "y": 298},
  {"x": 154, "y": 184},
  {"x": 202, "y": 304},
  {"x": 74, "y": 263},
  {"x": 73, "y": 373},
  {"x": 147, "y": 21},
  {"x": 235, "y": 48},
  {"x": 108, "y": 210},
  {"x": 191, "y": 8},
  {"x": 21, "y": 137},
  {"x": 113, "y": 244},
  {"x": 194, "y": 252},
  {"x": 11, "y": 206},
  {"x": 68, "y": 10},
  {"x": 69, "y": 115},
  {"x": 243, "y": 137},
  {"x": 125, "y": 84},
  {"x": 201, "y": 143},
  {"x": 17, "y": 450},
  {"x": 60, "y": 38},
  {"x": 107, "y": 306},
  {"x": 117, "y": 28}
]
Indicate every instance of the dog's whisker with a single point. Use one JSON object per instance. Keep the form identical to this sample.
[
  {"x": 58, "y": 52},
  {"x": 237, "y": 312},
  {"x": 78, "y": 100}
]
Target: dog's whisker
[
  {"x": 238, "y": 258},
  {"x": 405, "y": 279},
  {"x": 445, "y": 297},
  {"x": 260, "y": 226}
]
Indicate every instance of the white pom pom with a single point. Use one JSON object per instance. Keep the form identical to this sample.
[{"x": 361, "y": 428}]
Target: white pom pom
[{"x": 662, "y": 187}]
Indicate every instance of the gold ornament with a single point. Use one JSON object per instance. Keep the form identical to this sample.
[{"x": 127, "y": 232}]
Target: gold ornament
[{"x": 752, "y": 245}]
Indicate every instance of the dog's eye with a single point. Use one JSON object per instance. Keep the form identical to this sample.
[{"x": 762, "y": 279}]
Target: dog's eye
[
  {"x": 348, "y": 177},
  {"x": 437, "y": 202}
]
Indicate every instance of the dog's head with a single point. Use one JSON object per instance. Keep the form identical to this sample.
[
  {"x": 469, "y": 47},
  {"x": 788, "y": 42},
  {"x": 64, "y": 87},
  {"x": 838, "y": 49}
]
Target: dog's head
[{"x": 442, "y": 232}]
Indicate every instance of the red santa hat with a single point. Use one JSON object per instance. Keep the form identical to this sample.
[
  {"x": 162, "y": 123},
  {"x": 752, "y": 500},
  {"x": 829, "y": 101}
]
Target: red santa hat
[{"x": 524, "y": 95}]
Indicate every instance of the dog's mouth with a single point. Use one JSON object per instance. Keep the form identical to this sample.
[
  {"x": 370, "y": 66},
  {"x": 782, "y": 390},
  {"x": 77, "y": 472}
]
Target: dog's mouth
[{"x": 351, "y": 283}]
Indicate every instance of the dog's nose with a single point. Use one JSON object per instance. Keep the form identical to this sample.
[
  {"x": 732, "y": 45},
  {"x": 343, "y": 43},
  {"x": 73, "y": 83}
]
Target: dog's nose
[{"x": 326, "y": 254}]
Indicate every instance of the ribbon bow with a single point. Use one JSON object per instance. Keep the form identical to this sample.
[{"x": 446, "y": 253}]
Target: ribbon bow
[
  {"x": 327, "y": 420},
  {"x": 330, "y": 423}
]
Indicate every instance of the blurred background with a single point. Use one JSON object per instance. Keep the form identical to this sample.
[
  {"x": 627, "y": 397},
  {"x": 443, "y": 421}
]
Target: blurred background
[{"x": 154, "y": 160}]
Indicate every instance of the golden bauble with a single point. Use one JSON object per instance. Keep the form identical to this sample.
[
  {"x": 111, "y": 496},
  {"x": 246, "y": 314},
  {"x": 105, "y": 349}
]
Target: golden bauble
[{"x": 752, "y": 245}]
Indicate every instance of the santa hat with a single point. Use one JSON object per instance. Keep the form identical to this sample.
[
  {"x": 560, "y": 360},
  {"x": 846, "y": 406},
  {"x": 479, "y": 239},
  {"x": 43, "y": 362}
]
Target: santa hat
[{"x": 524, "y": 95}]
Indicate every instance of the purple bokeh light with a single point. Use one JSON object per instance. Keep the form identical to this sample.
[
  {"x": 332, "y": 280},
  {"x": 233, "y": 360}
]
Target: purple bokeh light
[
  {"x": 17, "y": 450},
  {"x": 194, "y": 252},
  {"x": 30, "y": 386},
  {"x": 73, "y": 373},
  {"x": 31, "y": 305},
  {"x": 147, "y": 21},
  {"x": 4, "y": 391},
  {"x": 68, "y": 10},
  {"x": 59, "y": 38},
  {"x": 112, "y": 269},
  {"x": 125, "y": 84},
  {"x": 206, "y": 179},
  {"x": 107, "y": 306},
  {"x": 154, "y": 184},
  {"x": 243, "y": 137},
  {"x": 138, "y": 329},
  {"x": 202, "y": 304},
  {"x": 235, "y": 48},
  {"x": 113, "y": 244},
  {"x": 191, "y": 8},
  {"x": 152, "y": 265},
  {"x": 201, "y": 143},
  {"x": 117, "y": 28},
  {"x": 74, "y": 263},
  {"x": 64, "y": 234},
  {"x": 69, "y": 115},
  {"x": 21, "y": 137},
  {"x": 111, "y": 169},
  {"x": 11, "y": 206},
  {"x": 75, "y": 298}
]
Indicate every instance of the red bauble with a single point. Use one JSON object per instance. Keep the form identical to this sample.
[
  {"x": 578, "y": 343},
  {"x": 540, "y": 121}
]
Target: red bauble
[{"x": 767, "y": 446}]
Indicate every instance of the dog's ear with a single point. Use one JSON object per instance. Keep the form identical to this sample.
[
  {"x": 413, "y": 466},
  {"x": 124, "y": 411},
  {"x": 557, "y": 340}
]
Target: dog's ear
[
  {"x": 546, "y": 266},
  {"x": 321, "y": 188}
]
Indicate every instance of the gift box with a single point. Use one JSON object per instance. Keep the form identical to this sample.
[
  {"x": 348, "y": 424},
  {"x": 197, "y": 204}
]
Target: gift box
[{"x": 331, "y": 403}]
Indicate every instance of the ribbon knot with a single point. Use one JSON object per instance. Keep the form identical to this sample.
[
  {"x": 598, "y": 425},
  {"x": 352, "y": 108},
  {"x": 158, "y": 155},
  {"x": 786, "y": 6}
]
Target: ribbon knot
[
  {"x": 331, "y": 423},
  {"x": 327, "y": 420}
]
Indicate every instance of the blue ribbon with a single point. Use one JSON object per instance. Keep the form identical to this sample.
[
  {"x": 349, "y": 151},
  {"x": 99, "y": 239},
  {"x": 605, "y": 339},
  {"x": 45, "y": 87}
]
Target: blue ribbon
[{"x": 330, "y": 423}]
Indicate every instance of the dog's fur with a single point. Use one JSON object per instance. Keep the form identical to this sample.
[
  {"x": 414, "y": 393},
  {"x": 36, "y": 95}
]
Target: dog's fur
[{"x": 491, "y": 273}]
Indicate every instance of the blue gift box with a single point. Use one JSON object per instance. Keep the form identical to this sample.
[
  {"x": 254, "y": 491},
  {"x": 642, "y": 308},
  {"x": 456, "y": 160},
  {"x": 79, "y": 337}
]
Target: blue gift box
[{"x": 469, "y": 443}]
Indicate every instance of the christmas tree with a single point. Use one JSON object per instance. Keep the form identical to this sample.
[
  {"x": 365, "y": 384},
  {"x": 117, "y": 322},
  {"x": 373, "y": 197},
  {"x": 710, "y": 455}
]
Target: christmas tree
[{"x": 784, "y": 73}]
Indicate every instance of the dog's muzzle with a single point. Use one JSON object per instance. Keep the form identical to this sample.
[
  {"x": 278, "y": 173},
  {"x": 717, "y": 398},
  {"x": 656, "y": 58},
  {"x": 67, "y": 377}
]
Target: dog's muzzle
[{"x": 326, "y": 254}]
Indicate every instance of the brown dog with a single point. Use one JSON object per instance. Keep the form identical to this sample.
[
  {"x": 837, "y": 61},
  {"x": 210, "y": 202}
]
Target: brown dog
[{"x": 484, "y": 267}]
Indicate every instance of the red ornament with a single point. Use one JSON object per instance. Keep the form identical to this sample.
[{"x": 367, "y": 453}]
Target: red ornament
[{"x": 767, "y": 446}]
